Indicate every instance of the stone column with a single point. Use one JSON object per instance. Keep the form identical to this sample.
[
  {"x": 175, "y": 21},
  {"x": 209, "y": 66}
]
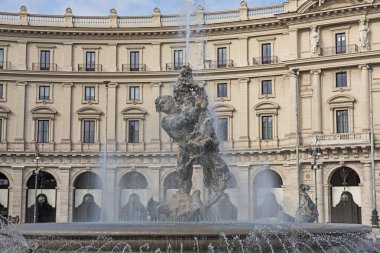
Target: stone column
[
  {"x": 293, "y": 38},
  {"x": 366, "y": 93},
  {"x": 367, "y": 196},
  {"x": 66, "y": 117},
  {"x": 20, "y": 117},
  {"x": 112, "y": 57},
  {"x": 243, "y": 115},
  {"x": 320, "y": 195},
  {"x": 63, "y": 212},
  {"x": 111, "y": 117},
  {"x": 154, "y": 125},
  {"x": 155, "y": 183},
  {"x": 15, "y": 202},
  {"x": 156, "y": 57},
  {"x": 22, "y": 55},
  {"x": 293, "y": 85},
  {"x": 71, "y": 203},
  {"x": 327, "y": 203},
  {"x": 110, "y": 203},
  {"x": 245, "y": 199},
  {"x": 68, "y": 57},
  {"x": 317, "y": 101}
]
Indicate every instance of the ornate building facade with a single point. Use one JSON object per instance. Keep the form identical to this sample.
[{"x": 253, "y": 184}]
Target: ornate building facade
[{"x": 278, "y": 79}]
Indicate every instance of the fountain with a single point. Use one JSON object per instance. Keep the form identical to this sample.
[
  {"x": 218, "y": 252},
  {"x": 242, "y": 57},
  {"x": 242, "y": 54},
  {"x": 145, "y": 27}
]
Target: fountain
[{"x": 184, "y": 222}]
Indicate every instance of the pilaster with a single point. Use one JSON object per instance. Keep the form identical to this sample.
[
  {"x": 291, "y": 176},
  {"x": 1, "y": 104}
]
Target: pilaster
[
  {"x": 317, "y": 101},
  {"x": 367, "y": 196},
  {"x": 15, "y": 206},
  {"x": 111, "y": 117},
  {"x": 365, "y": 88},
  {"x": 320, "y": 195},
  {"x": 154, "y": 128},
  {"x": 293, "y": 40},
  {"x": 22, "y": 55},
  {"x": 293, "y": 105},
  {"x": 156, "y": 57},
  {"x": 243, "y": 116},
  {"x": 68, "y": 57},
  {"x": 244, "y": 208},
  {"x": 67, "y": 117},
  {"x": 112, "y": 57},
  {"x": 20, "y": 117},
  {"x": 154, "y": 172},
  {"x": 63, "y": 210}
]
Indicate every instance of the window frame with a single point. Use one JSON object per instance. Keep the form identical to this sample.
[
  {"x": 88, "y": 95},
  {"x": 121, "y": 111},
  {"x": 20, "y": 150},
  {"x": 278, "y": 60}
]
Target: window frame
[
  {"x": 334, "y": 74},
  {"x": 175, "y": 63},
  {"x": 44, "y": 88},
  {"x": 129, "y": 139},
  {"x": 222, "y": 63},
  {"x": 264, "y": 134},
  {"x": 341, "y": 102},
  {"x": 266, "y": 59},
  {"x": 226, "y": 135},
  {"x": 92, "y": 66},
  {"x": 91, "y": 139},
  {"x": 128, "y": 92},
  {"x": 96, "y": 97},
  {"x": 132, "y": 65},
  {"x": 45, "y": 65},
  {"x": 3, "y": 60},
  {"x": 224, "y": 90},
  {"x": 340, "y": 47},
  {"x": 346, "y": 126},
  {"x": 45, "y": 138},
  {"x": 341, "y": 82},
  {"x": 266, "y": 93},
  {"x": 38, "y": 89},
  {"x": 222, "y": 99}
]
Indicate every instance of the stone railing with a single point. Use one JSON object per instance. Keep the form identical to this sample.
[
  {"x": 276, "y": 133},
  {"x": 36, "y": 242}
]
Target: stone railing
[
  {"x": 154, "y": 20},
  {"x": 341, "y": 139}
]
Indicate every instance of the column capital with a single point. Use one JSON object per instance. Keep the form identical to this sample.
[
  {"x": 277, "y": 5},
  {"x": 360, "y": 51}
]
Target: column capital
[
  {"x": 157, "y": 85},
  {"x": 244, "y": 80},
  {"x": 315, "y": 71},
  {"x": 68, "y": 85},
  {"x": 294, "y": 72},
  {"x": 22, "y": 83},
  {"x": 113, "y": 85},
  {"x": 364, "y": 66}
]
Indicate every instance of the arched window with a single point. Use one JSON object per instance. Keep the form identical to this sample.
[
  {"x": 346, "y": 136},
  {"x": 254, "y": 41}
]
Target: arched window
[
  {"x": 171, "y": 184},
  {"x": 88, "y": 180},
  {"x": 133, "y": 180}
]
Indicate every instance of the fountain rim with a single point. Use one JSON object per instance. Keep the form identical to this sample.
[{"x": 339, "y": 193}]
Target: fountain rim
[{"x": 188, "y": 229}]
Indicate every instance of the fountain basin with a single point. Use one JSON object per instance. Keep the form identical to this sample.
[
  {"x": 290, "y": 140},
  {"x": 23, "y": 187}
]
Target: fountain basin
[{"x": 182, "y": 237}]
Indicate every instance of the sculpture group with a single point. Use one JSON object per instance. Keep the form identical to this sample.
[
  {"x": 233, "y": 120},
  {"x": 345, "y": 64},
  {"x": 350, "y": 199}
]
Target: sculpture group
[{"x": 190, "y": 124}]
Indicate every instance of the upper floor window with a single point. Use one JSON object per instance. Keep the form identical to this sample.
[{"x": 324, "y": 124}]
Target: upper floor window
[
  {"x": 133, "y": 131},
  {"x": 134, "y": 60},
  {"x": 342, "y": 121},
  {"x": 1, "y": 58},
  {"x": 222, "y": 90},
  {"x": 44, "y": 92},
  {"x": 266, "y": 87},
  {"x": 89, "y": 93},
  {"x": 222, "y": 128},
  {"x": 42, "y": 131},
  {"x": 134, "y": 92},
  {"x": 340, "y": 43},
  {"x": 266, "y": 53},
  {"x": 341, "y": 79},
  {"x": 1, "y": 90},
  {"x": 178, "y": 59},
  {"x": 266, "y": 127},
  {"x": 222, "y": 57},
  {"x": 90, "y": 61},
  {"x": 88, "y": 131},
  {"x": 44, "y": 60}
]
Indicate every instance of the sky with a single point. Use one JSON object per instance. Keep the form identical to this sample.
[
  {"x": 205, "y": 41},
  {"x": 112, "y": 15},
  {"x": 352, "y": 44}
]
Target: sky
[{"x": 123, "y": 7}]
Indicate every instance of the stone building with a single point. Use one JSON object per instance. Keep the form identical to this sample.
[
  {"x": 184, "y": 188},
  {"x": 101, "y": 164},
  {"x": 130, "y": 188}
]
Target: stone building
[{"x": 306, "y": 66}]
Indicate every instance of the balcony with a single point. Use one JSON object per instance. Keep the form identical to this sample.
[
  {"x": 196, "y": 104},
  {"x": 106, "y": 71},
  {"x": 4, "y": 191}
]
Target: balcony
[
  {"x": 90, "y": 67},
  {"x": 218, "y": 64},
  {"x": 173, "y": 66},
  {"x": 41, "y": 66},
  {"x": 349, "y": 49},
  {"x": 265, "y": 60},
  {"x": 133, "y": 67},
  {"x": 341, "y": 139},
  {"x": 5, "y": 65}
]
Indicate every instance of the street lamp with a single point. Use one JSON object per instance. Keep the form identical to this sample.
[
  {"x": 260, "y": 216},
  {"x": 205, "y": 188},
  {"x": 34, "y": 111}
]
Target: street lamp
[
  {"x": 36, "y": 173},
  {"x": 104, "y": 192},
  {"x": 315, "y": 151}
]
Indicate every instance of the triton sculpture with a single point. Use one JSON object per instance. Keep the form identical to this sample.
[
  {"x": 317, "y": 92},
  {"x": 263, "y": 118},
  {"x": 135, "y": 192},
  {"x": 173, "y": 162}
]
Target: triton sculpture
[{"x": 190, "y": 124}]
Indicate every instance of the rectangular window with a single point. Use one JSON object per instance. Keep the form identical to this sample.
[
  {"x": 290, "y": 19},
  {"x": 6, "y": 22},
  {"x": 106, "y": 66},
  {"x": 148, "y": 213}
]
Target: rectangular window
[
  {"x": 341, "y": 79},
  {"x": 90, "y": 61},
  {"x": 44, "y": 92},
  {"x": 133, "y": 131},
  {"x": 222, "y": 57},
  {"x": 134, "y": 60},
  {"x": 1, "y": 58},
  {"x": 222, "y": 90},
  {"x": 222, "y": 128},
  {"x": 134, "y": 93},
  {"x": 1, "y": 90},
  {"x": 89, "y": 131},
  {"x": 266, "y": 87},
  {"x": 178, "y": 59},
  {"x": 267, "y": 127},
  {"x": 89, "y": 93},
  {"x": 45, "y": 60},
  {"x": 342, "y": 121},
  {"x": 340, "y": 43},
  {"x": 42, "y": 131},
  {"x": 266, "y": 53}
]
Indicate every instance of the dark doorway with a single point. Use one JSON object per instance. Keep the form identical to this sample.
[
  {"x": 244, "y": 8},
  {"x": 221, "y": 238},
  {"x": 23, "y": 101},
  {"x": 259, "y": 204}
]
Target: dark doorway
[
  {"x": 4, "y": 195},
  {"x": 41, "y": 203},
  {"x": 343, "y": 192},
  {"x": 87, "y": 197}
]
